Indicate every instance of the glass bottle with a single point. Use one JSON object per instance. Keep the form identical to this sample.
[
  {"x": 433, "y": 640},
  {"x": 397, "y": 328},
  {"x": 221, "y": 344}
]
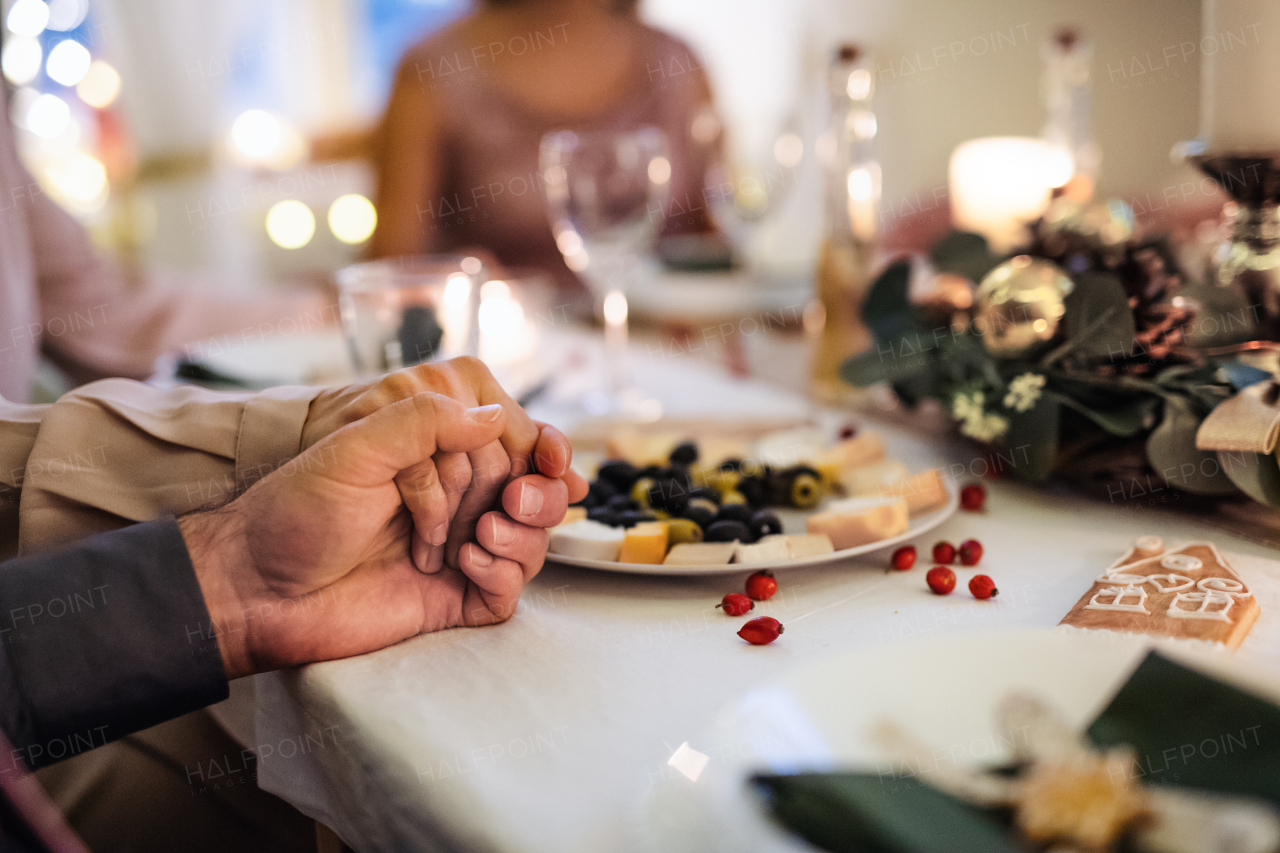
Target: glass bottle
[
  {"x": 1069, "y": 106},
  {"x": 852, "y": 199}
]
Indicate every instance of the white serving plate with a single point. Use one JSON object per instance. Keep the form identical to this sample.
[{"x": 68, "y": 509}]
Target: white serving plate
[
  {"x": 945, "y": 691},
  {"x": 792, "y": 522}
]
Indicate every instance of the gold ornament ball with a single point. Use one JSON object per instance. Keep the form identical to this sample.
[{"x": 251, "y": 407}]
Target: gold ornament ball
[{"x": 1019, "y": 305}]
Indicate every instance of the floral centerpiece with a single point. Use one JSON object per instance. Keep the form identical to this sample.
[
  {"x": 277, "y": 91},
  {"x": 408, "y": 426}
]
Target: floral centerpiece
[{"x": 1087, "y": 354}]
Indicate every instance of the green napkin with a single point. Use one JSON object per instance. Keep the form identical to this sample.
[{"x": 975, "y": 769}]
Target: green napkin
[
  {"x": 1194, "y": 731},
  {"x": 867, "y": 813},
  {"x": 1172, "y": 716}
]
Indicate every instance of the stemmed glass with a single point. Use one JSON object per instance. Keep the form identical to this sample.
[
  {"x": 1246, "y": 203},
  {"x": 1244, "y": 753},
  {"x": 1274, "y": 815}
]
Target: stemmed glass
[{"x": 606, "y": 192}]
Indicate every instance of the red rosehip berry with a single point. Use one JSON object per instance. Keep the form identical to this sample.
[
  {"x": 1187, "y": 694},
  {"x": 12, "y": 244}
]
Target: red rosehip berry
[
  {"x": 761, "y": 586},
  {"x": 983, "y": 587},
  {"x": 903, "y": 558},
  {"x": 944, "y": 552},
  {"x": 761, "y": 631},
  {"x": 847, "y": 432},
  {"x": 972, "y": 497},
  {"x": 941, "y": 580},
  {"x": 736, "y": 604},
  {"x": 970, "y": 552}
]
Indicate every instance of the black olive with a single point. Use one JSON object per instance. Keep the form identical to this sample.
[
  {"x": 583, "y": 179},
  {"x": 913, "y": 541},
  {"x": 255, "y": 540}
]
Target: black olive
[
  {"x": 622, "y": 503},
  {"x": 654, "y": 471},
  {"x": 731, "y": 465},
  {"x": 685, "y": 454},
  {"x": 630, "y": 518},
  {"x": 734, "y": 512},
  {"x": 706, "y": 494},
  {"x": 604, "y": 515},
  {"x": 765, "y": 523},
  {"x": 700, "y": 515},
  {"x": 728, "y": 531},
  {"x": 618, "y": 473},
  {"x": 755, "y": 490}
]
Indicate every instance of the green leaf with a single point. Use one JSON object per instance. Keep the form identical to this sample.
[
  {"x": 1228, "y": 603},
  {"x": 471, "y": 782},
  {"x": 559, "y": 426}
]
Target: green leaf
[
  {"x": 1033, "y": 438},
  {"x": 1223, "y": 316},
  {"x": 964, "y": 253},
  {"x": 1125, "y": 420},
  {"x": 1171, "y": 450},
  {"x": 1099, "y": 322},
  {"x": 870, "y": 813},
  {"x": 886, "y": 310},
  {"x": 1255, "y": 474}
]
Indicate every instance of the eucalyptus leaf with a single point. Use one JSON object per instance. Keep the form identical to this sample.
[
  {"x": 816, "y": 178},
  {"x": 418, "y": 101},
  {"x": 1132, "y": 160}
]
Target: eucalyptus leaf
[
  {"x": 884, "y": 364},
  {"x": 964, "y": 253},
  {"x": 1223, "y": 316},
  {"x": 1099, "y": 322},
  {"x": 1125, "y": 420},
  {"x": 887, "y": 310},
  {"x": 1255, "y": 474},
  {"x": 1171, "y": 450},
  {"x": 1035, "y": 434}
]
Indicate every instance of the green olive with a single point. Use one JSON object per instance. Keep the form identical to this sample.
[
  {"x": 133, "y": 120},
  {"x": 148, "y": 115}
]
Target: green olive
[
  {"x": 640, "y": 491},
  {"x": 681, "y": 530},
  {"x": 806, "y": 491},
  {"x": 733, "y": 497}
]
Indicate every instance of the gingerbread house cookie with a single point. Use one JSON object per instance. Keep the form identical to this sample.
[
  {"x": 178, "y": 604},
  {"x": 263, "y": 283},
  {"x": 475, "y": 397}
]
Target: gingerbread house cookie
[{"x": 1189, "y": 592}]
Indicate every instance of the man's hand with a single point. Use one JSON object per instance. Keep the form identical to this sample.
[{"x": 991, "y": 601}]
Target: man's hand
[
  {"x": 314, "y": 561},
  {"x": 471, "y": 481}
]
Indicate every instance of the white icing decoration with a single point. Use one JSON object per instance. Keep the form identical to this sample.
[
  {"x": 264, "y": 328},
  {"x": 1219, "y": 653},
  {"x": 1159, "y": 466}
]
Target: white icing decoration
[
  {"x": 1178, "y": 582},
  {"x": 1224, "y": 585},
  {"x": 1181, "y": 562},
  {"x": 1204, "y": 600},
  {"x": 1118, "y": 595},
  {"x": 1150, "y": 543},
  {"x": 1121, "y": 577}
]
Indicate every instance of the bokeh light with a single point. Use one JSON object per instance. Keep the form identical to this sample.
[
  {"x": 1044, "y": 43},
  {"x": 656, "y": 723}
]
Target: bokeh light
[
  {"x": 21, "y": 59},
  {"x": 27, "y": 18},
  {"x": 67, "y": 14},
  {"x": 659, "y": 170},
  {"x": 100, "y": 86},
  {"x": 79, "y": 182},
  {"x": 68, "y": 62},
  {"x": 48, "y": 116},
  {"x": 788, "y": 150},
  {"x": 352, "y": 218},
  {"x": 290, "y": 224},
  {"x": 256, "y": 133}
]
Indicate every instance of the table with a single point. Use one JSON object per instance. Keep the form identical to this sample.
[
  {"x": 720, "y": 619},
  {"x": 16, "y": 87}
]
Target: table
[{"x": 544, "y": 734}]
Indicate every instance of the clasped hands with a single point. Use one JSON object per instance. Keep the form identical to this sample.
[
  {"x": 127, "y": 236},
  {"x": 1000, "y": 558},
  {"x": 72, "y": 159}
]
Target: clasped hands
[{"x": 420, "y": 502}]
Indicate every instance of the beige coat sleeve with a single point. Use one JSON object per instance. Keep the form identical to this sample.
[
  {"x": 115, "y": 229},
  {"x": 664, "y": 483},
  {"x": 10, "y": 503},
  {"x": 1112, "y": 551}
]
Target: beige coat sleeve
[{"x": 116, "y": 452}]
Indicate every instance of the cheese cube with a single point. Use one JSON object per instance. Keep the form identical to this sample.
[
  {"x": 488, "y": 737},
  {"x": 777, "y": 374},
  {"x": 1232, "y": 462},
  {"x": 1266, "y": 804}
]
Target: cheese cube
[
  {"x": 858, "y": 452},
  {"x": 804, "y": 545},
  {"x": 854, "y": 522},
  {"x": 762, "y": 552},
  {"x": 923, "y": 492},
  {"x": 701, "y": 554},
  {"x": 870, "y": 479},
  {"x": 587, "y": 540},
  {"x": 645, "y": 543}
]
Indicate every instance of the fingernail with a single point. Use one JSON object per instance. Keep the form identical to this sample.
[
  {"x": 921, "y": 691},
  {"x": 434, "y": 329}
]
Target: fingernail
[
  {"x": 485, "y": 414},
  {"x": 530, "y": 499},
  {"x": 503, "y": 533},
  {"x": 480, "y": 556},
  {"x": 439, "y": 534}
]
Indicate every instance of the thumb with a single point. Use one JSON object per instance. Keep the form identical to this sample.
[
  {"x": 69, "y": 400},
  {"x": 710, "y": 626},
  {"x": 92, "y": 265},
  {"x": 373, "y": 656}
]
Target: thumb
[{"x": 373, "y": 450}]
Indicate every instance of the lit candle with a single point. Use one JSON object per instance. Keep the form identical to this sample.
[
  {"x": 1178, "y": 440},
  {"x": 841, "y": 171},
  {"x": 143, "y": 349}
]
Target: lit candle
[
  {"x": 615, "y": 339},
  {"x": 505, "y": 335},
  {"x": 1000, "y": 183},
  {"x": 1240, "y": 76},
  {"x": 455, "y": 314}
]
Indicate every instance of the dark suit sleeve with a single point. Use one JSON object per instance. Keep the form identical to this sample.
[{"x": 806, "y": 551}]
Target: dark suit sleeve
[{"x": 102, "y": 639}]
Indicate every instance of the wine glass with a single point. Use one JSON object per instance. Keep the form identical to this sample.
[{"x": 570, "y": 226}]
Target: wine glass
[{"x": 606, "y": 193}]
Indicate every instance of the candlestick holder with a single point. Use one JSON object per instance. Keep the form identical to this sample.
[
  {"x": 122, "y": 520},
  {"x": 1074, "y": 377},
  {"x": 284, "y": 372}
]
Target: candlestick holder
[{"x": 1252, "y": 264}]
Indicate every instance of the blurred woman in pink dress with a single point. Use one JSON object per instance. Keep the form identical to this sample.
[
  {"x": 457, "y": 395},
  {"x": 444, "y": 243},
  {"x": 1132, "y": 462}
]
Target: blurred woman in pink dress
[{"x": 458, "y": 153}]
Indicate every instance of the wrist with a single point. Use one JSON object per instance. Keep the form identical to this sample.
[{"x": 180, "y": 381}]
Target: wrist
[{"x": 216, "y": 542}]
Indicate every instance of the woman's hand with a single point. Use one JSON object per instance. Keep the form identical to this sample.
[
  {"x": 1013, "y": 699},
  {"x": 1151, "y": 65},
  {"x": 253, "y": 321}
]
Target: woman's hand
[{"x": 470, "y": 482}]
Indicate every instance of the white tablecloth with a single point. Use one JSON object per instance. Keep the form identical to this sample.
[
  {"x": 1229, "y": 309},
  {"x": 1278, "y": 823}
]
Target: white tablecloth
[{"x": 545, "y": 733}]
